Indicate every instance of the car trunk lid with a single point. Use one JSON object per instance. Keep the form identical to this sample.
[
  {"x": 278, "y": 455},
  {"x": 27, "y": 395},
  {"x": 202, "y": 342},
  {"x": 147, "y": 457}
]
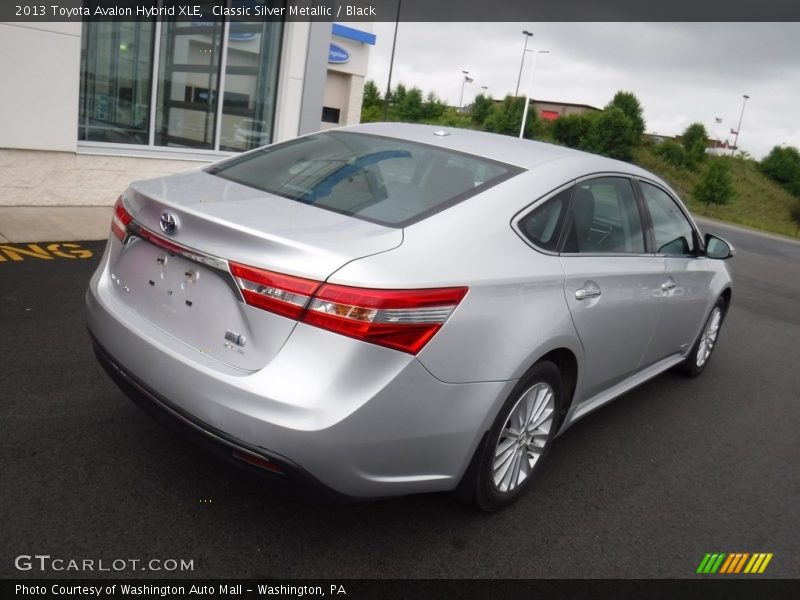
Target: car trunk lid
[{"x": 180, "y": 280}]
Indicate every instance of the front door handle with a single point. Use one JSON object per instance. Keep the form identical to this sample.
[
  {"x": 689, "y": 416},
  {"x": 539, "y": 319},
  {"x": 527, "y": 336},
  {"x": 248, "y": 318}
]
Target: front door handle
[
  {"x": 668, "y": 285},
  {"x": 583, "y": 293}
]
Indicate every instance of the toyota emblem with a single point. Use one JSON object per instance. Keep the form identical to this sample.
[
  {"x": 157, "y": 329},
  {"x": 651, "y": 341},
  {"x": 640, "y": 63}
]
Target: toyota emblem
[{"x": 168, "y": 222}]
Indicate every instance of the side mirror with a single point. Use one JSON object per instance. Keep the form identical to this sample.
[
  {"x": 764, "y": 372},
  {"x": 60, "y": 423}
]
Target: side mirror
[{"x": 718, "y": 248}]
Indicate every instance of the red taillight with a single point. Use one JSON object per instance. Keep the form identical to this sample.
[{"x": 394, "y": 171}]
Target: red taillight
[
  {"x": 405, "y": 320},
  {"x": 120, "y": 220},
  {"x": 281, "y": 294}
]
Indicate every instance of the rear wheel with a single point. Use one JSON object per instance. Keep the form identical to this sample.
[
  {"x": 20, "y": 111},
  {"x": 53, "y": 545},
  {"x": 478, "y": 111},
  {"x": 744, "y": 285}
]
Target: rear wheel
[
  {"x": 519, "y": 438},
  {"x": 700, "y": 353}
]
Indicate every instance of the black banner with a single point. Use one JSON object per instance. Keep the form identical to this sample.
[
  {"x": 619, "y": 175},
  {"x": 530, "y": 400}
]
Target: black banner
[
  {"x": 409, "y": 10},
  {"x": 357, "y": 589}
]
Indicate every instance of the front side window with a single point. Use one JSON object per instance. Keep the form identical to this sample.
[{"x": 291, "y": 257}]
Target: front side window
[
  {"x": 674, "y": 235},
  {"x": 388, "y": 181},
  {"x": 605, "y": 218}
]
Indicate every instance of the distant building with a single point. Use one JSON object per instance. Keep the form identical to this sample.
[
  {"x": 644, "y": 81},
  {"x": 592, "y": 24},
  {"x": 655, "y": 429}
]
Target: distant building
[
  {"x": 713, "y": 145},
  {"x": 550, "y": 110}
]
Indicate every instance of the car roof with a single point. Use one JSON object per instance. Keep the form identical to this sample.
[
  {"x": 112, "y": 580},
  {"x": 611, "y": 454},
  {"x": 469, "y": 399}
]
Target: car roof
[{"x": 511, "y": 150}]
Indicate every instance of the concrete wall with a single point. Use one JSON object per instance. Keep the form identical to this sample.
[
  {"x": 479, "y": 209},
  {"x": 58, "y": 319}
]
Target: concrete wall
[
  {"x": 40, "y": 75},
  {"x": 290, "y": 80},
  {"x": 47, "y": 178}
]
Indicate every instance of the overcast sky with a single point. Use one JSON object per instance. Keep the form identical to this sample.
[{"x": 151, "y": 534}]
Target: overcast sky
[{"x": 681, "y": 72}]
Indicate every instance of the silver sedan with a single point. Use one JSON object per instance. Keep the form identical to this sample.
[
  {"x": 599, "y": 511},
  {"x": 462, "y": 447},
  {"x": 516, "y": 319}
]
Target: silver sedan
[{"x": 390, "y": 309}]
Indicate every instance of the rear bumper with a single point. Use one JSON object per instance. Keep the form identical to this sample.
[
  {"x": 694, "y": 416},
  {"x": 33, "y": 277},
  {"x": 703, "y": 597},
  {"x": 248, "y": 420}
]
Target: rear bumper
[
  {"x": 361, "y": 420},
  {"x": 212, "y": 440}
]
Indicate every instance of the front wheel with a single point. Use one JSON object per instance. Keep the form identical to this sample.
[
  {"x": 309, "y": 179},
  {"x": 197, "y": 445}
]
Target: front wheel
[
  {"x": 700, "y": 353},
  {"x": 519, "y": 438}
]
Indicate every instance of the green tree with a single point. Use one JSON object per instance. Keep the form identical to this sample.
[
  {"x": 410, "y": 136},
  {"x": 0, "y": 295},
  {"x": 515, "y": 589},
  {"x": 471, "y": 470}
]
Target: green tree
[
  {"x": 628, "y": 103},
  {"x": 371, "y": 104},
  {"x": 715, "y": 185},
  {"x": 480, "y": 109},
  {"x": 409, "y": 105},
  {"x": 372, "y": 96},
  {"x": 371, "y": 114},
  {"x": 573, "y": 130},
  {"x": 433, "y": 108},
  {"x": 452, "y": 117},
  {"x": 783, "y": 166},
  {"x": 694, "y": 141},
  {"x": 506, "y": 118},
  {"x": 611, "y": 134},
  {"x": 672, "y": 152}
]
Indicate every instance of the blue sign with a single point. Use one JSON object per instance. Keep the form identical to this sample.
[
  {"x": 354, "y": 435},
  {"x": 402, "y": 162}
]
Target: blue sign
[{"x": 338, "y": 55}]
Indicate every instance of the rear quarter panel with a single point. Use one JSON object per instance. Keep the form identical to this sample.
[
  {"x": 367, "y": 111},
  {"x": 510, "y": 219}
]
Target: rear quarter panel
[{"x": 514, "y": 311}]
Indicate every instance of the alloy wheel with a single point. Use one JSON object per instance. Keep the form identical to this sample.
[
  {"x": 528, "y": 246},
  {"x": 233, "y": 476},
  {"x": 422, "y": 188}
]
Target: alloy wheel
[
  {"x": 523, "y": 437},
  {"x": 709, "y": 336}
]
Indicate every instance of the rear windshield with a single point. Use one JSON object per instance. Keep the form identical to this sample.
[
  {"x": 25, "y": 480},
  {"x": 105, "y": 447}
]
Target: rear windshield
[{"x": 384, "y": 180}]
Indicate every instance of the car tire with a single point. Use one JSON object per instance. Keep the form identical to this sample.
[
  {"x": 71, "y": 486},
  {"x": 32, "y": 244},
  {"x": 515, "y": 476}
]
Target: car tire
[
  {"x": 700, "y": 354},
  {"x": 519, "y": 439}
]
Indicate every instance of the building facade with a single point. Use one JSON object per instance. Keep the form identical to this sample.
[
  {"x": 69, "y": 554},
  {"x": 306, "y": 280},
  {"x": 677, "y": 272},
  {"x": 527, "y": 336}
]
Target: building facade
[
  {"x": 88, "y": 107},
  {"x": 550, "y": 110}
]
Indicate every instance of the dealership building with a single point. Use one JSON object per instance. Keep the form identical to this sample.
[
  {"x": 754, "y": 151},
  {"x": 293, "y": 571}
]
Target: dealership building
[{"x": 87, "y": 107}]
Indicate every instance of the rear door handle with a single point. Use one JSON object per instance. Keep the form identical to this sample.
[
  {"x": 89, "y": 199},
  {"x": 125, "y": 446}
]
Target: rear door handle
[
  {"x": 668, "y": 285},
  {"x": 583, "y": 293}
]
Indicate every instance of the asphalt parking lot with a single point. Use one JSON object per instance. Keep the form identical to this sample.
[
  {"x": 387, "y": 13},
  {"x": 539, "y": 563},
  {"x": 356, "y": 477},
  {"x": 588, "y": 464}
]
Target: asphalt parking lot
[{"x": 644, "y": 487}]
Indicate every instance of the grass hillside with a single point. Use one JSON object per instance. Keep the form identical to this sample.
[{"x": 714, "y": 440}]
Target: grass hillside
[{"x": 759, "y": 202}]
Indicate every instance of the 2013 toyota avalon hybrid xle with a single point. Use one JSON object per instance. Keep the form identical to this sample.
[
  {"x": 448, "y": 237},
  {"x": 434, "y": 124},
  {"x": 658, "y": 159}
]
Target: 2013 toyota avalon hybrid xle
[{"x": 388, "y": 309}]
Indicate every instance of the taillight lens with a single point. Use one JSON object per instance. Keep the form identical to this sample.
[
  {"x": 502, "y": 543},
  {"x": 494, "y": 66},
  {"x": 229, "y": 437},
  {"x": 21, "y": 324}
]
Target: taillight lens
[
  {"x": 120, "y": 220},
  {"x": 275, "y": 292},
  {"x": 404, "y": 320}
]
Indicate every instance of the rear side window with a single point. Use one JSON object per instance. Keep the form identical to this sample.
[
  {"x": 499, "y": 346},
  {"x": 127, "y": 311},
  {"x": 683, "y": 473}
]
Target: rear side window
[
  {"x": 385, "y": 180},
  {"x": 604, "y": 218},
  {"x": 543, "y": 225}
]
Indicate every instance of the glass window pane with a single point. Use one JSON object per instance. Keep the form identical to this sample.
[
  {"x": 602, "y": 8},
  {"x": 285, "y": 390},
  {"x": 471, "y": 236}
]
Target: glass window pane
[
  {"x": 116, "y": 73},
  {"x": 251, "y": 77},
  {"x": 605, "y": 218},
  {"x": 673, "y": 233},
  {"x": 543, "y": 225},
  {"x": 188, "y": 71},
  {"x": 380, "y": 179}
]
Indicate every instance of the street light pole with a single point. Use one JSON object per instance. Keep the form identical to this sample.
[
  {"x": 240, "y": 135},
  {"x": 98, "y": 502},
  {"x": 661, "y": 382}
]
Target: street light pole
[
  {"x": 527, "y": 35},
  {"x": 391, "y": 66},
  {"x": 739, "y": 127},
  {"x": 528, "y": 92},
  {"x": 463, "y": 81}
]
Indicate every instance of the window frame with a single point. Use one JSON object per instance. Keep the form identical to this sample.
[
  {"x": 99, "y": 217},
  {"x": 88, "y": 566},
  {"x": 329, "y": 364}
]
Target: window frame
[{"x": 149, "y": 148}]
